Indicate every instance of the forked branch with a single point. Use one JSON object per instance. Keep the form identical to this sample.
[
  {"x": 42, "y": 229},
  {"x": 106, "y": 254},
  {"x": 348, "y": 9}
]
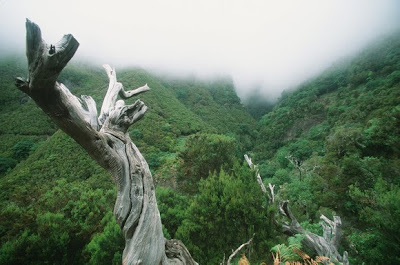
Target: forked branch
[{"x": 115, "y": 88}]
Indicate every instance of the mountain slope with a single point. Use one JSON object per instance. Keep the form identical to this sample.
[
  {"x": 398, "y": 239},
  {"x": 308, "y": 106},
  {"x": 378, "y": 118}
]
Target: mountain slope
[
  {"x": 350, "y": 92},
  {"x": 332, "y": 147}
]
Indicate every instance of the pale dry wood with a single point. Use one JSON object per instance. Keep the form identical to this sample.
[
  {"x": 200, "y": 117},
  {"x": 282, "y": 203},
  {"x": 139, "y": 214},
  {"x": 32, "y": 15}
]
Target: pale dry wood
[
  {"x": 107, "y": 141},
  {"x": 252, "y": 166},
  {"x": 115, "y": 88},
  {"x": 272, "y": 193},
  {"x": 236, "y": 251}
]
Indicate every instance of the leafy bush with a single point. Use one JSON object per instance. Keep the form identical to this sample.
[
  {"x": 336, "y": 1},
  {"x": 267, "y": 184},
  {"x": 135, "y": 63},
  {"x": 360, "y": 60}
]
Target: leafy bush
[
  {"x": 22, "y": 149},
  {"x": 106, "y": 247},
  {"x": 6, "y": 163},
  {"x": 205, "y": 154},
  {"x": 226, "y": 212}
]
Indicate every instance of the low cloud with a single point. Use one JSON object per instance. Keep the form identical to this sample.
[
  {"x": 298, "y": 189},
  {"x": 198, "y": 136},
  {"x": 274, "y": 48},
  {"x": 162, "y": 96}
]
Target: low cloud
[{"x": 264, "y": 45}]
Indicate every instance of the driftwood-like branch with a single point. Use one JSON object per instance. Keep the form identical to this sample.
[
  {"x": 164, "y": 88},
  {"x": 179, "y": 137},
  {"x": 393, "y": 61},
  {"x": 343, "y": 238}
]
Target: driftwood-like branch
[
  {"x": 258, "y": 177},
  {"x": 325, "y": 245},
  {"x": 234, "y": 253},
  {"x": 115, "y": 88},
  {"x": 271, "y": 192},
  {"x": 107, "y": 141}
]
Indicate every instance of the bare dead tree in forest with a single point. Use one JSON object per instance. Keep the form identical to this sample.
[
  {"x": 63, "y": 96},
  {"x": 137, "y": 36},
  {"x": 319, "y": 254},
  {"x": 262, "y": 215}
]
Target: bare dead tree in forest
[
  {"x": 107, "y": 141},
  {"x": 326, "y": 245}
]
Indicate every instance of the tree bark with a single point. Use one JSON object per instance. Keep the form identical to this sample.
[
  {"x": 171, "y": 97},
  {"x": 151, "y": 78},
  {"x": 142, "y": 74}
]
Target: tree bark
[{"x": 106, "y": 140}]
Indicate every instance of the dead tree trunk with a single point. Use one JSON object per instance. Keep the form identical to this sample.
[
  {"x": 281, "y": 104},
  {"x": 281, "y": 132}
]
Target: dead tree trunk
[
  {"x": 325, "y": 245},
  {"x": 106, "y": 140}
]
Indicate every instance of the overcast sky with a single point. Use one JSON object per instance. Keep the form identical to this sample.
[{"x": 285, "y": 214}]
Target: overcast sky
[{"x": 271, "y": 45}]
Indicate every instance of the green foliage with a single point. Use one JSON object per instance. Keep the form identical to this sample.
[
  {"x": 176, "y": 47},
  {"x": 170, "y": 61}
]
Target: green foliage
[
  {"x": 379, "y": 211},
  {"x": 286, "y": 253},
  {"x": 106, "y": 247},
  {"x": 301, "y": 149},
  {"x": 217, "y": 104},
  {"x": 370, "y": 247},
  {"x": 211, "y": 101},
  {"x": 6, "y": 164},
  {"x": 341, "y": 131},
  {"x": 51, "y": 206},
  {"x": 225, "y": 213},
  {"x": 205, "y": 154},
  {"x": 11, "y": 67},
  {"x": 344, "y": 141},
  {"x": 172, "y": 207},
  {"x": 22, "y": 149}
]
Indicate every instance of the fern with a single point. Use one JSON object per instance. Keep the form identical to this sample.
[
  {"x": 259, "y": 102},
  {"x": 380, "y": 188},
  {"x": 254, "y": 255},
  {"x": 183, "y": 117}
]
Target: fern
[{"x": 286, "y": 252}]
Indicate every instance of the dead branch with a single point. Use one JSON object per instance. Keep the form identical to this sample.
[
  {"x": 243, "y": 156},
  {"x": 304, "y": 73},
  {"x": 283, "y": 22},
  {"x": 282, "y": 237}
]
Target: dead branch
[
  {"x": 234, "y": 253},
  {"x": 325, "y": 245}
]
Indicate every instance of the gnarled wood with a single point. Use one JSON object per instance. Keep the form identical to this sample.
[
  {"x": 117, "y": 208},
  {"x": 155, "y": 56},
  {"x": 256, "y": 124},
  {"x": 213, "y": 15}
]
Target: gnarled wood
[
  {"x": 107, "y": 142},
  {"x": 177, "y": 253}
]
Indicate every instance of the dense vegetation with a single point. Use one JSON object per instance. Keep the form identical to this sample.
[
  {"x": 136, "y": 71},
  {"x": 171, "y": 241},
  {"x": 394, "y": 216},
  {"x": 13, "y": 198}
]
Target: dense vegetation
[{"x": 332, "y": 146}]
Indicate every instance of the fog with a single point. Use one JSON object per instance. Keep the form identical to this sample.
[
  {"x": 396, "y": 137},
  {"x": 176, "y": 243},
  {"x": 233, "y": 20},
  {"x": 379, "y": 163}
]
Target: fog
[{"x": 264, "y": 45}]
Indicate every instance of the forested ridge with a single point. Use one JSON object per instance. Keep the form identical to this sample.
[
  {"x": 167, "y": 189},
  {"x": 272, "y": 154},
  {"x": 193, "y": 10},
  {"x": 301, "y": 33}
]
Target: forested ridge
[{"x": 330, "y": 146}]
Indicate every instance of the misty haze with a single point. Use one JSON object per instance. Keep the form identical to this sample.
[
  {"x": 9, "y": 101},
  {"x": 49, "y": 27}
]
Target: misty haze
[{"x": 265, "y": 46}]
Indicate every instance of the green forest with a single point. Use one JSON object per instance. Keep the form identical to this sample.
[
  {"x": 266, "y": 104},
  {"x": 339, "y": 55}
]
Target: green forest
[{"x": 330, "y": 146}]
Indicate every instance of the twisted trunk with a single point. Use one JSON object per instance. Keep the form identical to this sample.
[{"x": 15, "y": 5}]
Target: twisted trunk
[{"x": 107, "y": 142}]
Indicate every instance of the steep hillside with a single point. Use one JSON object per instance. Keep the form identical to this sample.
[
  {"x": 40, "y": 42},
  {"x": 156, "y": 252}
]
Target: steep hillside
[
  {"x": 49, "y": 185},
  {"x": 333, "y": 147},
  {"x": 355, "y": 91},
  {"x": 169, "y": 119},
  {"x": 22, "y": 124},
  {"x": 215, "y": 101}
]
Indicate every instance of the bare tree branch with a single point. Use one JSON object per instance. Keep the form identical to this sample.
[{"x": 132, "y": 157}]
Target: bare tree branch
[
  {"x": 258, "y": 177},
  {"x": 238, "y": 250}
]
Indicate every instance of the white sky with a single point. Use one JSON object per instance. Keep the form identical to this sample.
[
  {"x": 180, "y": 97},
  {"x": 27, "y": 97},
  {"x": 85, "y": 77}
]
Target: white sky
[{"x": 272, "y": 45}]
